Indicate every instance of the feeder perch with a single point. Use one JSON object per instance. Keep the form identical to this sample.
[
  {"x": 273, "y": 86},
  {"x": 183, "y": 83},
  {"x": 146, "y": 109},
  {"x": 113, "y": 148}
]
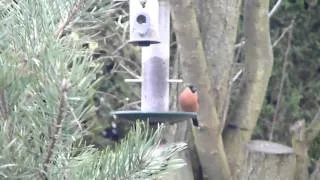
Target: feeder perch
[
  {"x": 144, "y": 22},
  {"x": 154, "y": 117}
]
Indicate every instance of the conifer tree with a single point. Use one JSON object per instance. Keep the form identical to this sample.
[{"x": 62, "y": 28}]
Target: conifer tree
[{"x": 47, "y": 81}]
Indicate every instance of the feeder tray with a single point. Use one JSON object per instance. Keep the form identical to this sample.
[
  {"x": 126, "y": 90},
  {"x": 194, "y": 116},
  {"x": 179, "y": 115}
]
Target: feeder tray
[{"x": 154, "y": 117}]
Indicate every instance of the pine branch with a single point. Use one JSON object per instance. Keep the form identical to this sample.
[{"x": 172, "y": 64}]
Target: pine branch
[
  {"x": 68, "y": 19},
  {"x": 4, "y": 110},
  {"x": 55, "y": 129},
  {"x": 139, "y": 156},
  {"x": 35, "y": 111}
]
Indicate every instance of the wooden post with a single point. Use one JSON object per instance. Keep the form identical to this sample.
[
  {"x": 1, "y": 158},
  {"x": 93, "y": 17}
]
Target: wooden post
[
  {"x": 266, "y": 160},
  {"x": 155, "y": 63}
]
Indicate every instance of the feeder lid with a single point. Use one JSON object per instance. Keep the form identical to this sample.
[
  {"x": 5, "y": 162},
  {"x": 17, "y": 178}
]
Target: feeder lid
[{"x": 154, "y": 117}]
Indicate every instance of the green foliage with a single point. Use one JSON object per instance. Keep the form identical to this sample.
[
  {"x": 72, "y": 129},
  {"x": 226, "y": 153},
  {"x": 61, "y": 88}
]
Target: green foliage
[
  {"x": 300, "y": 98},
  {"x": 298, "y": 4},
  {"x": 300, "y": 95},
  {"x": 139, "y": 156},
  {"x": 102, "y": 28}
]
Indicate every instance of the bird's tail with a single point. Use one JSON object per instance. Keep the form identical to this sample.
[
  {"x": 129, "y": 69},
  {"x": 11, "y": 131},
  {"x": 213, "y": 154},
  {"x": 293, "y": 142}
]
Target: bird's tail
[{"x": 195, "y": 121}]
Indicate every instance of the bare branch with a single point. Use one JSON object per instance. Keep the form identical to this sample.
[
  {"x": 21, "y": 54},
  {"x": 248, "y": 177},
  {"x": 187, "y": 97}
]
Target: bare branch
[
  {"x": 275, "y": 7},
  {"x": 226, "y": 107},
  {"x": 240, "y": 44},
  {"x": 119, "y": 48},
  {"x": 236, "y": 76},
  {"x": 131, "y": 105},
  {"x": 129, "y": 71},
  {"x": 313, "y": 128},
  {"x": 284, "y": 32},
  {"x": 284, "y": 69}
]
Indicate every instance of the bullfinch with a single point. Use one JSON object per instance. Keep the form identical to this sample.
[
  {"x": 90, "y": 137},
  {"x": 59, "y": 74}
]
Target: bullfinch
[{"x": 188, "y": 100}]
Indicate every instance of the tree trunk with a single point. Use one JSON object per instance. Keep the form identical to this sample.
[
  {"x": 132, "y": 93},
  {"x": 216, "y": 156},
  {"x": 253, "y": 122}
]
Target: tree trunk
[
  {"x": 300, "y": 146},
  {"x": 266, "y": 160},
  {"x": 316, "y": 172},
  {"x": 302, "y": 139},
  {"x": 258, "y": 64},
  {"x": 218, "y": 23},
  {"x": 195, "y": 71}
]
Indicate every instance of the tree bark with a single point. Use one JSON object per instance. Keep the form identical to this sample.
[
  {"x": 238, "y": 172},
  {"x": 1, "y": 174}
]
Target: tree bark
[
  {"x": 266, "y": 160},
  {"x": 316, "y": 172},
  {"x": 301, "y": 148},
  {"x": 302, "y": 139},
  {"x": 218, "y": 22},
  {"x": 195, "y": 71},
  {"x": 258, "y": 64}
]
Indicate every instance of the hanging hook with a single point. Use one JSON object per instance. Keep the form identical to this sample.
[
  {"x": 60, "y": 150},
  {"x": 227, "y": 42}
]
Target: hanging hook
[{"x": 143, "y": 3}]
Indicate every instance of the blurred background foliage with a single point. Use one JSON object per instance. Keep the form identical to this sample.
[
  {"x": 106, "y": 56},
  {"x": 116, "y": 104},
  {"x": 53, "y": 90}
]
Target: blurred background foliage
[
  {"x": 301, "y": 88},
  {"x": 105, "y": 33}
]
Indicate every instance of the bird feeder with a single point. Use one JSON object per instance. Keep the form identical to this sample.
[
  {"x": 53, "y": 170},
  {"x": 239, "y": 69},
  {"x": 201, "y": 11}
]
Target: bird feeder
[
  {"x": 144, "y": 22},
  {"x": 154, "y": 117},
  {"x": 150, "y": 19}
]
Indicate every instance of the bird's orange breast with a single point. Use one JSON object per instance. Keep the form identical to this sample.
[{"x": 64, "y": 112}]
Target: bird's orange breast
[{"x": 188, "y": 101}]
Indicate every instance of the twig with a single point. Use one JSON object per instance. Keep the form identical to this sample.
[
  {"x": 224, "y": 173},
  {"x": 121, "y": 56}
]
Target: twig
[
  {"x": 285, "y": 30},
  {"x": 240, "y": 44},
  {"x": 238, "y": 47},
  {"x": 55, "y": 129},
  {"x": 284, "y": 68},
  {"x": 108, "y": 94},
  {"x": 67, "y": 20},
  {"x": 119, "y": 48},
  {"x": 313, "y": 128},
  {"x": 127, "y": 60},
  {"x": 4, "y": 109},
  {"x": 129, "y": 71},
  {"x": 228, "y": 99},
  {"x": 76, "y": 119},
  {"x": 236, "y": 76},
  {"x": 132, "y": 104},
  {"x": 275, "y": 7}
]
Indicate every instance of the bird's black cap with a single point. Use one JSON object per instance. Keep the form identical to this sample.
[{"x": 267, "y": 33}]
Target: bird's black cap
[{"x": 192, "y": 88}]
